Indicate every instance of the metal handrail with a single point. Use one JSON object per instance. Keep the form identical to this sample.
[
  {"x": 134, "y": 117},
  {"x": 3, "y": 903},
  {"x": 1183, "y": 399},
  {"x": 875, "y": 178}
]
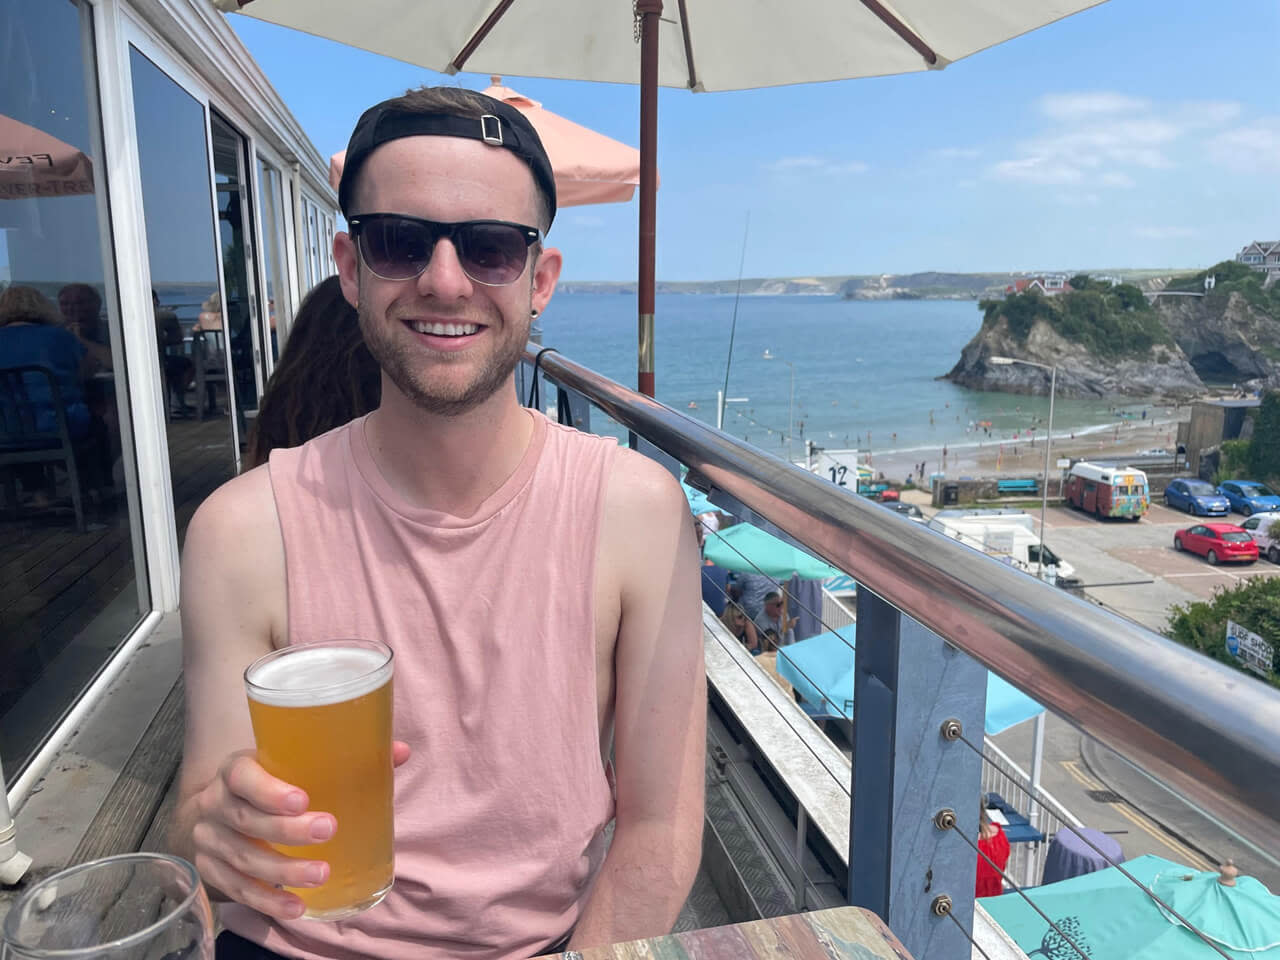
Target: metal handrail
[{"x": 1205, "y": 730}]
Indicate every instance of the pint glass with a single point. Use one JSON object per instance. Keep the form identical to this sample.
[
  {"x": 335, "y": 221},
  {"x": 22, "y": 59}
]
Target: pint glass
[{"x": 322, "y": 720}]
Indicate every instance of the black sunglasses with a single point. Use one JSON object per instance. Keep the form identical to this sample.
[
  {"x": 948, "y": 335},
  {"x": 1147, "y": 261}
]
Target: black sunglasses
[{"x": 397, "y": 247}]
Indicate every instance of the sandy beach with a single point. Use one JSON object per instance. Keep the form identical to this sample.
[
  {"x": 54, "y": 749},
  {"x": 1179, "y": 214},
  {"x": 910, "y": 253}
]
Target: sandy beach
[{"x": 995, "y": 457}]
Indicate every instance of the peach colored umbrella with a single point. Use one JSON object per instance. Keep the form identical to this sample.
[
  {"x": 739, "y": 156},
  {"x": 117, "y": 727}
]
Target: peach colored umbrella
[
  {"x": 589, "y": 167},
  {"x": 35, "y": 164}
]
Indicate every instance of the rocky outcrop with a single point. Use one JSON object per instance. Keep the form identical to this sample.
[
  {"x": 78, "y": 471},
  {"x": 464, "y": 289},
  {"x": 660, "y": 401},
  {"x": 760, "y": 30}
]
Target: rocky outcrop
[
  {"x": 1219, "y": 339},
  {"x": 1165, "y": 371},
  {"x": 1226, "y": 339}
]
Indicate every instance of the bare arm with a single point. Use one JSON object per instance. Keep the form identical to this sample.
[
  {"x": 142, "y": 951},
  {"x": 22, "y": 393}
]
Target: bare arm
[
  {"x": 233, "y": 606},
  {"x": 660, "y": 710}
]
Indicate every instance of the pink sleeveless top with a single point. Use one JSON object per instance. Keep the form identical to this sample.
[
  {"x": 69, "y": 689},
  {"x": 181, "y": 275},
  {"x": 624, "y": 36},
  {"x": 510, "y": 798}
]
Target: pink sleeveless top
[{"x": 501, "y": 807}]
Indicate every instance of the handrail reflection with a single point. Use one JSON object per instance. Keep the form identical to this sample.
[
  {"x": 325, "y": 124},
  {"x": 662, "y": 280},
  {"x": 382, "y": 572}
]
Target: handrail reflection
[{"x": 1205, "y": 730}]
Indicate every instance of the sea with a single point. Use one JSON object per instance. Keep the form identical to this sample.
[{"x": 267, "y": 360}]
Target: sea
[{"x": 866, "y": 373}]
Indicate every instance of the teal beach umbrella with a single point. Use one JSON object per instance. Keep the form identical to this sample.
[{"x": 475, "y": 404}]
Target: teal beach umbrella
[
  {"x": 747, "y": 549},
  {"x": 1107, "y": 916},
  {"x": 821, "y": 670},
  {"x": 698, "y": 502}
]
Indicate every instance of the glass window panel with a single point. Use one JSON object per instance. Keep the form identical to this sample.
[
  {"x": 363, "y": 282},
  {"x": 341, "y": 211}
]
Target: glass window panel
[
  {"x": 69, "y": 591},
  {"x": 239, "y": 270},
  {"x": 183, "y": 252},
  {"x": 272, "y": 207}
]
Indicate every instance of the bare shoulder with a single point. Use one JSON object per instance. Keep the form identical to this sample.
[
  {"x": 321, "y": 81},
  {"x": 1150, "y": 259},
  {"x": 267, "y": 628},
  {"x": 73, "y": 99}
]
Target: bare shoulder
[
  {"x": 233, "y": 576},
  {"x": 640, "y": 487},
  {"x": 648, "y": 529},
  {"x": 235, "y": 533}
]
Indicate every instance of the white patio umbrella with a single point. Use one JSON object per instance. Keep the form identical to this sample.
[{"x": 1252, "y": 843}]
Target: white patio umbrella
[{"x": 702, "y": 45}]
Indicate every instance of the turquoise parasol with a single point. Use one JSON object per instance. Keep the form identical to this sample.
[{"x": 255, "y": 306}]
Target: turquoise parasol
[
  {"x": 1107, "y": 916},
  {"x": 749, "y": 549},
  {"x": 821, "y": 670}
]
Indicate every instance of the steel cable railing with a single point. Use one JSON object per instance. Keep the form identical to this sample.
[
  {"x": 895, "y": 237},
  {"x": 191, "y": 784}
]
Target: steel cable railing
[
  {"x": 1079, "y": 832},
  {"x": 1186, "y": 720}
]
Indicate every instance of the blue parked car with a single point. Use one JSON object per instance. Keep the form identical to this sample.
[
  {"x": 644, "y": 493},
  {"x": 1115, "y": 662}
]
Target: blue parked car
[
  {"x": 1197, "y": 497},
  {"x": 1249, "y": 496}
]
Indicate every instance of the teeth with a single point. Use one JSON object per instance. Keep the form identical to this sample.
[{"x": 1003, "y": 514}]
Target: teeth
[{"x": 446, "y": 329}]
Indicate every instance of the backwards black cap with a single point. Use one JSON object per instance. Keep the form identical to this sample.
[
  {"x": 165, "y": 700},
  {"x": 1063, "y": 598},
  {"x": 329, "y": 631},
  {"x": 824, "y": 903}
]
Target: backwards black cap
[{"x": 503, "y": 126}]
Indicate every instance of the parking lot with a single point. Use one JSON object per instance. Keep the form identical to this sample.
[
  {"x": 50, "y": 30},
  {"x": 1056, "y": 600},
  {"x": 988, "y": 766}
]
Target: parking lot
[{"x": 1113, "y": 558}]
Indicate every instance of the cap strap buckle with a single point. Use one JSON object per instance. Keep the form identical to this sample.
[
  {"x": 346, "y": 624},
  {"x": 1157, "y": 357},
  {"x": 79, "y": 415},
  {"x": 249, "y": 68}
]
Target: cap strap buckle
[{"x": 491, "y": 129}]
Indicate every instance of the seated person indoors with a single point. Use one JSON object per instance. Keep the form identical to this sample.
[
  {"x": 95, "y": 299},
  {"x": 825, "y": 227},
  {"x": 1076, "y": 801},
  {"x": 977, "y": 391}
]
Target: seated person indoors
[
  {"x": 325, "y": 346},
  {"x": 412, "y": 525},
  {"x": 32, "y": 333},
  {"x": 81, "y": 308},
  {"x": 735, "y": 620},
  {"x": 772, "y": 619},
  {"x": 179, "y": 371}
]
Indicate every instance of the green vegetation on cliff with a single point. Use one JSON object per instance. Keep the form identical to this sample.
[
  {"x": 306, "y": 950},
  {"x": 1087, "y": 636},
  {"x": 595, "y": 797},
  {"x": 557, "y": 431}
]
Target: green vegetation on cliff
[
  {"x": 1108, "y": 321},
  {"x": 1232, "y": 277}
]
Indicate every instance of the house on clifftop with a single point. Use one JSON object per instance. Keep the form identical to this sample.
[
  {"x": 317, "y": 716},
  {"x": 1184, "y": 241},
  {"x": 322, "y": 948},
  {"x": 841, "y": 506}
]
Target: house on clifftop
[
  {"x": 1262, "y": 255},
  {"x": 1050, "y": 285}
]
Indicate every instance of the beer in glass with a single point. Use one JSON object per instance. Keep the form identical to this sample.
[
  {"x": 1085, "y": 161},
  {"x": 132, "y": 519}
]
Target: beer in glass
[{"x": 322, "y": 720}]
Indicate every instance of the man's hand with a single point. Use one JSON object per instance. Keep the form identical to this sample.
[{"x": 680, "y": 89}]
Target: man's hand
[
  {"x": 790, "y": 624},
  {"x": 235, "y": 818}
]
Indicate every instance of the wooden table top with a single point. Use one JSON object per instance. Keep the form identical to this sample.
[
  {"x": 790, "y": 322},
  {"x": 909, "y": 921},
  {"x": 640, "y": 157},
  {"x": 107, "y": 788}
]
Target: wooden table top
[{"x": 842, "y": 933}]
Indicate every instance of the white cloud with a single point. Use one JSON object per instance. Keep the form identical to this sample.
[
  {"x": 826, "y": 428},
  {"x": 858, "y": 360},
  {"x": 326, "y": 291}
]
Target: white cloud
[
  {"x": 823, "y": 166},
  {"x": 958, "y": 153},
  {"x": 1253, "y": 148},
  {"x": 1037, "y": 169},
  {"x": 1108, "y": 139},
  {"x": 1073, "y": 106},
  {"x": 794, "y": 163},
  {"x": 587, "y": 220},
  {"x": 1078, "y": 199},
  {"x": 1163, "y": 233},
  {"x": 1116, "y": 179}
]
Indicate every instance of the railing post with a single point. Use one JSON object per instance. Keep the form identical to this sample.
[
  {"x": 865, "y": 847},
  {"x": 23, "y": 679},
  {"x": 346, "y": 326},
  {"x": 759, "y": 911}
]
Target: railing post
[
  {"x": 573, "y": 408},
  {"x": 13, "y": 862},
  {"x": 907, "y": 683}
]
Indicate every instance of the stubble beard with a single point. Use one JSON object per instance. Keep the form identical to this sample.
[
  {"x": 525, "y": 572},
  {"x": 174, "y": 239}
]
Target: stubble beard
[{"x": 398, "y": 362}]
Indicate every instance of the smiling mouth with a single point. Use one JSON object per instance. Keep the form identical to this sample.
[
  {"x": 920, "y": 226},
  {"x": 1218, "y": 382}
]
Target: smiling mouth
[{"x": 444, "y": 329}]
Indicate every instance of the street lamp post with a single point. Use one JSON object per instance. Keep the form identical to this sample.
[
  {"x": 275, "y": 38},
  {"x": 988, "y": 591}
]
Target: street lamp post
[{"x": 1048, "y": 442}]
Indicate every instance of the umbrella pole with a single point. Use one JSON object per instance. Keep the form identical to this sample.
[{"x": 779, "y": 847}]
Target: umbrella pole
[{"x": 648, "y": 11}]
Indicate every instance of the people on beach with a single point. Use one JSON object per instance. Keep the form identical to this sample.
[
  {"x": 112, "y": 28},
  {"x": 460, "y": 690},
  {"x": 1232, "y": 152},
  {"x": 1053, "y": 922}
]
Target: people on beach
[{"x": 527, "y": 720}]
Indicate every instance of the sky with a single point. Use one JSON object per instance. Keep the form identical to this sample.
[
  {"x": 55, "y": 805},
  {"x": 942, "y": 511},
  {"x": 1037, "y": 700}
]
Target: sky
[{"x": 1139, "y": 134}]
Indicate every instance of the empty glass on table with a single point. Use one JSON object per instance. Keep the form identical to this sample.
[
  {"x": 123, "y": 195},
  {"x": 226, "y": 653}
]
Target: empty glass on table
[{"x": 140, "y": 906}]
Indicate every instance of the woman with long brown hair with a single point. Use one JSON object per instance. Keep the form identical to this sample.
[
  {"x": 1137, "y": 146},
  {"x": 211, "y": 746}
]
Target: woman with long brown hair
[{"x": 326, "y": 376}]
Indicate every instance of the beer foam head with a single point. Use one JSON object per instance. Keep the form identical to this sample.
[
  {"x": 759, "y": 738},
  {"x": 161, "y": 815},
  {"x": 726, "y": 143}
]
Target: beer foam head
[{"x": 312, "y": 675}]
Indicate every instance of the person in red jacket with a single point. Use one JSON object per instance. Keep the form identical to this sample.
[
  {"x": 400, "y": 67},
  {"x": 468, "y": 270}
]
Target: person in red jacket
[{"x": 995, "y": 845}]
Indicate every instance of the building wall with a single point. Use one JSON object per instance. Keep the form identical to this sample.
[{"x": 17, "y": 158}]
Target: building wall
[{"x": 131, "y": 108}]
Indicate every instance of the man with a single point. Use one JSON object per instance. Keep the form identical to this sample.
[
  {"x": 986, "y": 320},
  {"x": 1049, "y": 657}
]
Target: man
[
  {"x": 539, "y": 588},
  {"x": 179, "y": 371},
  {"x": 771, "y": 619},
  {"x": 755, "y": 586}
]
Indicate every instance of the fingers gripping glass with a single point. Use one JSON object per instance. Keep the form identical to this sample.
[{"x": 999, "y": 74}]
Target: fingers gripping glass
[{"x": 397, "y": 247}]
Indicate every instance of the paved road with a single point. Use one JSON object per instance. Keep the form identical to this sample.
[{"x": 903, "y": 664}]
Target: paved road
[{"x": 1091, "y": 781}]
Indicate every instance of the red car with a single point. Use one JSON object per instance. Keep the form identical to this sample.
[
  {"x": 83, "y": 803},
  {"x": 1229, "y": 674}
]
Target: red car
[{"x": 1217, "y": 542}]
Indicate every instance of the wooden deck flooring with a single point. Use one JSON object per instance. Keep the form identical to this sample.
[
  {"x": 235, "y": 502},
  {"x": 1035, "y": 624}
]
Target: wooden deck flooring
[{"x": 68, "y": 599}]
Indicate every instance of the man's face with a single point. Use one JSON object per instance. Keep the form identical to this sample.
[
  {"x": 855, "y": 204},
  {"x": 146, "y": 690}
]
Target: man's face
[
  {"x": 405, "y": 322},
  {"x": 773, "y": 607},
  {"x": 79, "y": 306}
]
